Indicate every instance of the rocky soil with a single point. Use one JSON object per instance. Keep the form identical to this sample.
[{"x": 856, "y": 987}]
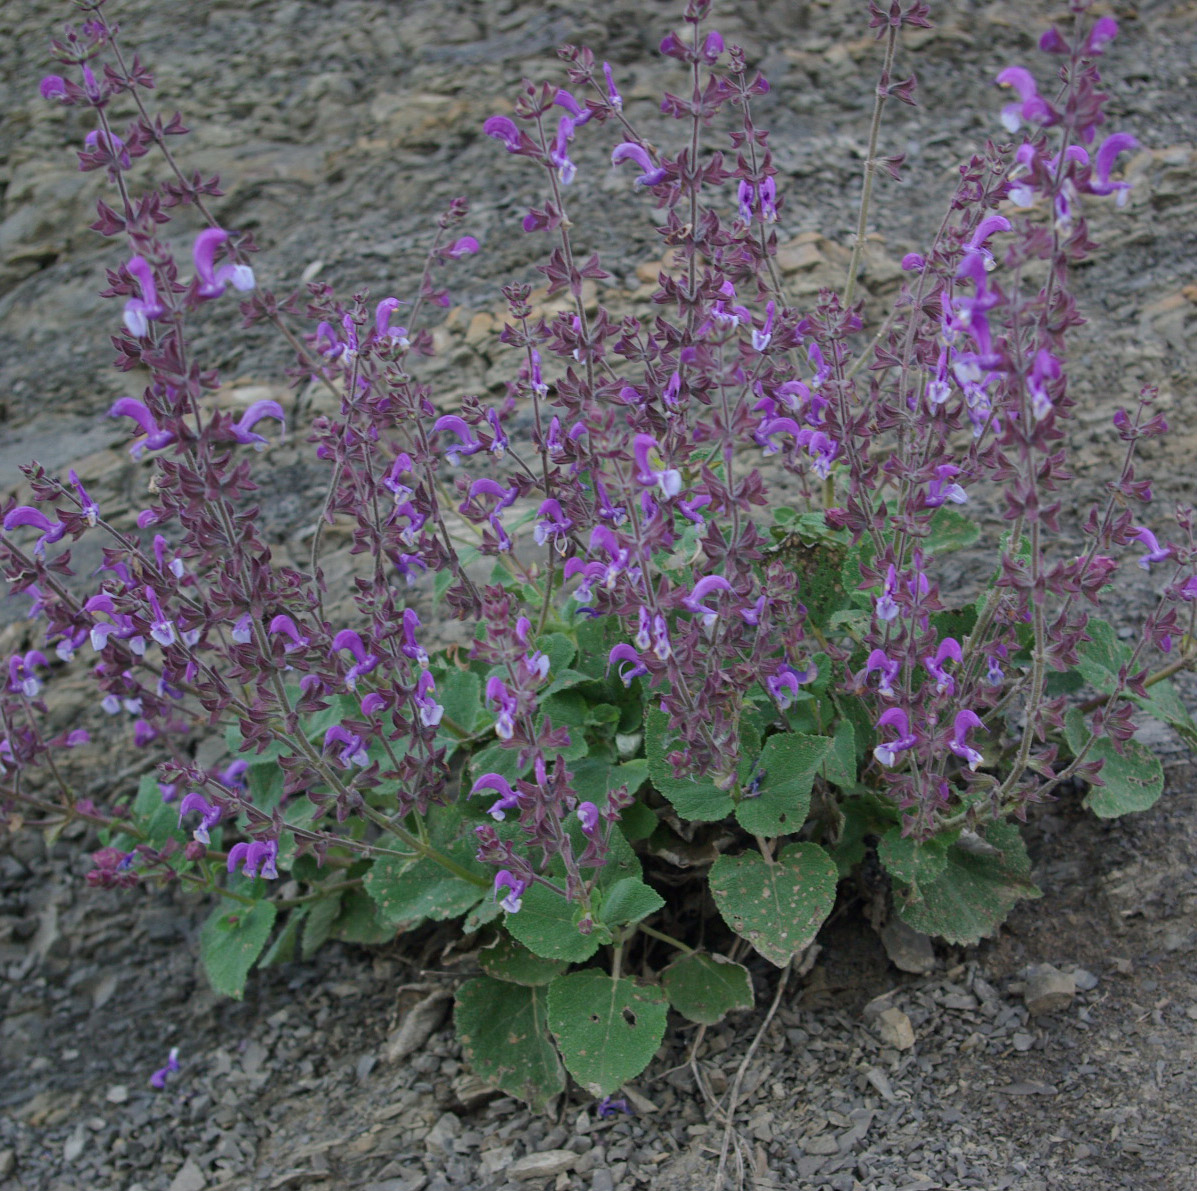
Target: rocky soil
[{"x": 341, "y": 128}]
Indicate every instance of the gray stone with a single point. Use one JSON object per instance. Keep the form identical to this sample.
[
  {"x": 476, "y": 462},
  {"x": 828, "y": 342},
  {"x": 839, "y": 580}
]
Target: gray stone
[
  {"x": 544, "y": 1165},
  {"x": 909, "y": 950},
  {"x": 894, "y": 1029},
  {"x": 188, "y": 1178},
  {"x": 1048, "y": 990}
]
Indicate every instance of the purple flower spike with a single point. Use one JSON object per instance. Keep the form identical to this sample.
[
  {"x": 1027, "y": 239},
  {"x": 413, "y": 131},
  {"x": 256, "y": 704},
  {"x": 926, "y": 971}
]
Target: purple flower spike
[
  {"x": 630, "y": 151},
  {"x": 158, "y": 1079},
  {"x": 964, "y": 723},
  {"x": 155, "y": 439},
  {"x": 515, "y": 889},
  {"x": 509, "y": 799},
  {"x": 588, "y": 816},
  {"x": 260, "y": 854},
  {"x": 212, "y": 283},
  {"x": 243, "y": 430},
  {"x": 210, "y": 815},
  {"x": 140, "y": 311}
]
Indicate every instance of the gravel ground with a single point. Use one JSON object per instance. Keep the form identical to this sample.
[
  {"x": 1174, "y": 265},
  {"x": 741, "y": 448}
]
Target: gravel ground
[{"x": 341, "y": 128}]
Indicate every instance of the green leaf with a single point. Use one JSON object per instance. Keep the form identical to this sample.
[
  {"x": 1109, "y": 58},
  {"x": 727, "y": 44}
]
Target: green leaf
[
  {"x": 789, "y": 763},
  {"x": 508, "y": 960},
  {"x": 981, "y": 881},
  {"x": 502, "y": 1029},
  {"x": 629, "y": 900},
  {"x": 950, "y": 530},
  {"x": 282, "y": 950},
  {"x": 839, "y": 766},
  {"x": 704, "y": 988},
  {"x": 410, "y": 891},
  {"x": 1131, "y": 782},
  {"x": 231, "y": 940},
  {"x": 459, "y": 692},
  {"x": 913, "y": 863},
  {"x": 264, "y": 783},
  {"x": 638, "y": 822},
  {"x": 607, "y": 1030},
  {"x": 778, "y": 907},
  {"x": 698, "y": 801}
]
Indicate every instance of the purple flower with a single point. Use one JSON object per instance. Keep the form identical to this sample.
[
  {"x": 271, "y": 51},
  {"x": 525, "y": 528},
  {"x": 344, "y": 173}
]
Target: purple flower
[
  {"x": 252, "y": 856},
  {"x": 1103, "y": 32},
  {"x": 382, "y": 322},
  {"x": 463, "y": 246},
  {"x": 887, "y": 752},
  {"x": 161, "y": 628},
  {"x": 886, "y": 607},
  {"x": 431, "y": 711},
  {"x": 99, "y": 141},
  {"x": 233, "y": 775},
  {"x": 411, "y": 648},
  {"x": 964, "y": 723},
  {"x": 158, "y": 1079},
  {"x": 52, "y": 531},
  {"x": 625, "y": 653},
  {"x": 945, "y": 684},
  {"x": 210, "y": 815},
  {"x": 364, "y": 660},
  {"x": 509, "y": 799},
  {"x": 243, "y": 430},
  {"x": 155, "y": 440},
  {"x": 21, "y": 678},
  {"x": 879, "y": 662},
  {"x": 762, "y": 338},
  {"x": 943, "y": 488},
  {"x": 609, "y": 1106},
  {"x": 353, "y": 751},
  {"x": 505, "y": 704},
  {"x": 54, "y": 86},
  {"x": 1031, "y": 106},
  {"x": 588, "y": 816},
  {"x": 703, "y": 588},
  {"x": 652, "y": 469},
  {"x": 140, "y": 311},
  {"x": 1155, "y": 552},
  {"x": 504, "y": 129},
  {"x": 912, "y": 262},
  {"x": 559, "y": 153},
  {"x": 285, "y": 625},
  {"x": 213, "y": 284},
  {"x": 784, "y": 685},
  {"x": 630, "y": 151},
  {"x": 1117, "y": 143},
  {"x": 467, "y": 444},
  {"x": 613, "y": 96},
  {"x": 515, "y": 889},
  {"x": 553, "y": 526}
]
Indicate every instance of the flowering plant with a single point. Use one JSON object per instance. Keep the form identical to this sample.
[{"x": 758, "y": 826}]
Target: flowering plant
[{"x": 675, "y": 682}]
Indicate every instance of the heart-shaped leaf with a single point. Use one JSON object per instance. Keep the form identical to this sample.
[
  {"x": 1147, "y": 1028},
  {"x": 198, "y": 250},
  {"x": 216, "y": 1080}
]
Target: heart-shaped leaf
[
  {"x": 629, "y": 900},
  {"x": 778, "y": 906},
  {"x": 503, "y": 1034},
  {"x": 608, "y": 1030},
  {"x": 704, "y": 988},
  {"x": 1131, "y": 781},
  {"x": 505, "y": 959}
]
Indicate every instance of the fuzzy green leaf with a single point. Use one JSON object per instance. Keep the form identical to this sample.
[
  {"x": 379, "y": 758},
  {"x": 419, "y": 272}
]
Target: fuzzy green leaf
[
  {"x": 358, "y": 920},
  {"x": 788, "y": 764},
  {"x": 282, "y": 949},
  {"x": 607, "y": 1030},
  {"x": 705, "y": 988},
  {"x": 409, "y": 891},
  {"x": 694, "y": 799},
  {"x": 231, "y": 940},
  {"x": 502, "y": 1029},
  {"x": 508, "y": 960},
  {"x": 839, "y": 766},
  {"x": 778, "y": 907},
  {"x": 913, "y": 863},
  {"x": 950, "y": 530},
  {"x": 981, "y": 881},
  {"x": 629, "y": 900},
  {"x": 318, "y": 927},
  {"x": 545, "y": 925}
]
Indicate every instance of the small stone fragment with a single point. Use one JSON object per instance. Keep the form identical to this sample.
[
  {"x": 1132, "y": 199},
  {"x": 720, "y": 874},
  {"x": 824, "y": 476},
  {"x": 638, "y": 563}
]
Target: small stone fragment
[
  {"x": 894, "y": 1029},
  {"x": 189, "y": 1178},
  {"x": 1084, "y": 980},
  {"x": 441, "y": 1136},
  {"x": 544, "y": 1165},
  {"x": 822, "y": 1143},
  {"x": 118, "y": 1093},
  {"x": 1048, "y": 989}
]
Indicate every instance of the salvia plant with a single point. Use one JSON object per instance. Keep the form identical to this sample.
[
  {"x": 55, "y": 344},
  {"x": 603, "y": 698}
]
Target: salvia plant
[{"x": 687, "y": 711}]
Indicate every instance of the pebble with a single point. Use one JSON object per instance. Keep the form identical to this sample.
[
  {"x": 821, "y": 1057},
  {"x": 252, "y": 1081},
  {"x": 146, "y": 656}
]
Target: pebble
[
  {"x": 1048, "y": 990},
  {"x": 118, "y": 1093},
  {"x": 544, "y": 1165},
  {"x": 188, "y": 1178},
  {"x": 894, "y": 1029},
  {"x": 909, "y": 950}
]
